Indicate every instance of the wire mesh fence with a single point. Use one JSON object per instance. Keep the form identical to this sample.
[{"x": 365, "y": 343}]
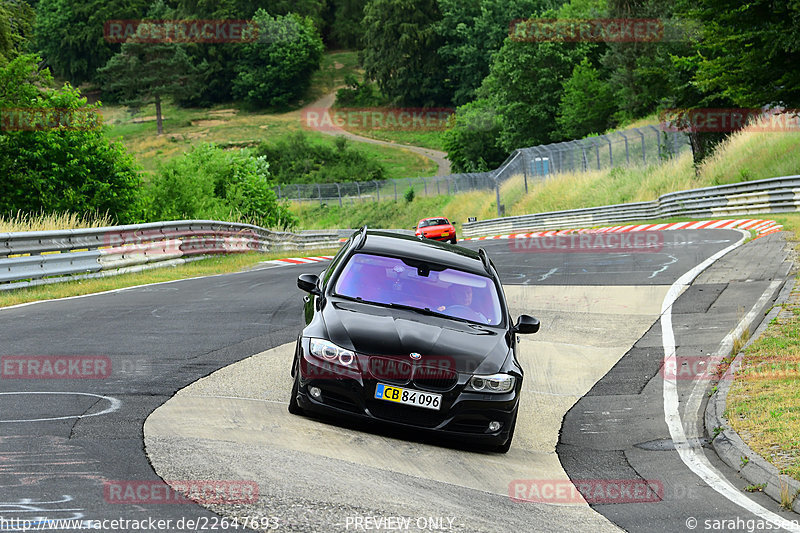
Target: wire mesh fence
[{"x": 632, "y": 147}]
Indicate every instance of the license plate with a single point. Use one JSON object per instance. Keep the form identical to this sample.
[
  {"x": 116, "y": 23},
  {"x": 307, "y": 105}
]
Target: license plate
[
  {"x": 445, "y": 234},
  {"x": 408, "y": 396}
]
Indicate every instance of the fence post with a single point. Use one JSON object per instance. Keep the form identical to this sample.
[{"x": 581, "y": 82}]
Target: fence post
[
  {"x": 437, "y": 188},
  {"x": 378, "y": 190},
  {"x": 319, "y": 193},
  {"x": 658, "y": 140},
  {"x": 425, "y": 184},
  {"x": 525, "y": 168},
  {"x": 644, "y": 153},
  {"x": 339, "y": 194},
  {"x": 610, "y": 152},
  {"x": 395, "y": 189},
  {"x": 497, "y": 195},
  {"x": 298, "y": 193},
  {"x": 627, "y": 152},
  {"x": 358, "y": 188}
]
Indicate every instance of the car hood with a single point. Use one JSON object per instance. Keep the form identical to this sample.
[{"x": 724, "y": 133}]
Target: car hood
[{"x": 375, "y": 330}]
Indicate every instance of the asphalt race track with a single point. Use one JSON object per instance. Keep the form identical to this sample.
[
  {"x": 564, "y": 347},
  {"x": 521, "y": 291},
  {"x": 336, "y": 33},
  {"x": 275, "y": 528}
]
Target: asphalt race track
[{"x": 596, "y": 366}]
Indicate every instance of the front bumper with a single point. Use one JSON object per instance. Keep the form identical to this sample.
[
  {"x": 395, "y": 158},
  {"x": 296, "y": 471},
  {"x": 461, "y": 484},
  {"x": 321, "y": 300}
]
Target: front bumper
[{"x": 465, "y": 415}]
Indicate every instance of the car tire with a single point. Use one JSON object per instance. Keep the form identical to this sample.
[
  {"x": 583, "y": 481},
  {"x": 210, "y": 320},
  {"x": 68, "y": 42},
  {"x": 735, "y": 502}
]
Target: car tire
[
  {"x": 294, "y": 407},
  {"x": 453, "y": 241},
  {"x": 503, "y": 448}
]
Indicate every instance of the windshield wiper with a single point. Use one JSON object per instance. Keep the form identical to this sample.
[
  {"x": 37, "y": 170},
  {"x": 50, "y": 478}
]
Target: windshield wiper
[{"x": 428, "y": 311}]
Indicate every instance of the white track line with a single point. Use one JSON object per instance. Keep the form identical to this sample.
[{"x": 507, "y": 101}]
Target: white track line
[{"x": 690, "y": 452}]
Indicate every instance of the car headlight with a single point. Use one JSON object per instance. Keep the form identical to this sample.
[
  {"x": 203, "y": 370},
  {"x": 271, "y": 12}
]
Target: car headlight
[
  {"x": 499, "y": 383},
  {"x": 327, "y": 351}
]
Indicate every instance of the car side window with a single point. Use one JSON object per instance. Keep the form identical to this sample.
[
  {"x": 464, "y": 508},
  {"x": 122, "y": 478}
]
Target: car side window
[{"x": 335, "y": 261}]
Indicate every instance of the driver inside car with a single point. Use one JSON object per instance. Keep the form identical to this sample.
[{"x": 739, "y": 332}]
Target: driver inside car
[{"x": 461, "y": 306}]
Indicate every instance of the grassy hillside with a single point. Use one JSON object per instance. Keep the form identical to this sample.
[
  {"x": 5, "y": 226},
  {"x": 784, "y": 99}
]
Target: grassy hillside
[
  {"x": 744, "y": 156},
  {"x": 236, "y": 127}
]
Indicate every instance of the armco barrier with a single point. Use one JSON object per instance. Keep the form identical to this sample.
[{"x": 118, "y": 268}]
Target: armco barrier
[
  {"x": 35, "y": 255},
  {"x": 774, "y": 195}
]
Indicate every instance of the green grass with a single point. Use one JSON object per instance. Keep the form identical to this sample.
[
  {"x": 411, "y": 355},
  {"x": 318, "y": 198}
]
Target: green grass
[
  {"x": 763, "y": 405},
  {"x": 765, "y": 155},
  {"x": 230, "y": 125},
  {"x": 227, "y": 125},
  {"x": 205, "y": 267},
  {"x": 433, "y": 139}
]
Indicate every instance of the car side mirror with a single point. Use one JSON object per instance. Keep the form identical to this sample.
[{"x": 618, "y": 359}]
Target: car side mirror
[
  {"x": 413, "y": 227},
  {"x": 526, "y": 324},
  {"x": 453, "y": 223},
  {"x": 308, "y": 283}
]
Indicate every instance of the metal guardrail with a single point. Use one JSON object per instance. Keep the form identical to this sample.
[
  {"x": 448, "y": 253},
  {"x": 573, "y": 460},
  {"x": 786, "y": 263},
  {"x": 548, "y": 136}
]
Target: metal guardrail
[
  {"x": 773, "y": 195},
  {"x": 48, "y": 256}
]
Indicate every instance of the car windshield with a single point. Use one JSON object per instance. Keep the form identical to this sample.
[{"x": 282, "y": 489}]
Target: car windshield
[
  {"x": 433, "y": 222},
  {"x": 428, "y": 287}
]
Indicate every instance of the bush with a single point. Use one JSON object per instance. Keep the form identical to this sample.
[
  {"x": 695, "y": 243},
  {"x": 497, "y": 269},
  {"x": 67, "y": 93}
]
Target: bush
[
  {"x": 295, "y": 159},
  {"x": 409, "y": 194},
  {"x": 471, "y": 140},
  {"x": 210, "y": 183},
  {"x": 276, "y": 69},
  {"x": 359, "y": 94},
  {"x": 66, "y": 167}
]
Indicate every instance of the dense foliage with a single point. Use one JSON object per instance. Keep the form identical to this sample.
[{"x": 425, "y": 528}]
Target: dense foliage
[
  {"x": 64, "y": 162},
  {"x": 211, "y": 183},
  {"x": 296, "y": 159},
  {"x": 276, "y": 69}
]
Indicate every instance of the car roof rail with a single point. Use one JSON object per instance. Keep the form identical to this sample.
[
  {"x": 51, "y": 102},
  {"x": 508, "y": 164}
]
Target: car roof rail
[
  {"x": 362, "y": 238},
  {"x": 485, "y": 260}
]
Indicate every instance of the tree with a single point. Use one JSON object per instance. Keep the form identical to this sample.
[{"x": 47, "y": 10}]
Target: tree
[
  {"x": 346, "y": 29},
  {"x": 401, "y": 46},
  {"x": 16, "y": 22},
  {"x": 142, "y": 72},
  {"x": 525, "y": 86},
  {"x": 753, "y": 50},
  {"x": 276, "y": 69},
  {"x": 70, "y": 37},
  {"x": 586, "y": 104},
  {"x": 472, "y": 32},
  {"x": 67, "y": 165},
  {"x": 471, "y": 139}
]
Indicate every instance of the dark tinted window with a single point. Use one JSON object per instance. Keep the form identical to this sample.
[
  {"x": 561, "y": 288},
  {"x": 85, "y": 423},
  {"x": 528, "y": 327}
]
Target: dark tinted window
[{"x": 451, "y": 292}]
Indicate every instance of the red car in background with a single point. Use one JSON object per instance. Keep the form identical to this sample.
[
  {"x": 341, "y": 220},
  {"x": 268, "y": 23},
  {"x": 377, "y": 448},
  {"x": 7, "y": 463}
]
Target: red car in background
[{"x": 437, "y": 228}]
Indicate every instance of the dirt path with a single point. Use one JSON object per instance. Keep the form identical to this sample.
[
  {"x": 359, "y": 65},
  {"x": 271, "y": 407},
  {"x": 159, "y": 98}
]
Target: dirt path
[{"x": 324, "y": 104}]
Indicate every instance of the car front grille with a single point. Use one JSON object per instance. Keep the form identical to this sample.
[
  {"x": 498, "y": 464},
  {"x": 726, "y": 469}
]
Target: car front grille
[
  {"x": 390, "y": 370},
  {"x": 434, "y": 378}
]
